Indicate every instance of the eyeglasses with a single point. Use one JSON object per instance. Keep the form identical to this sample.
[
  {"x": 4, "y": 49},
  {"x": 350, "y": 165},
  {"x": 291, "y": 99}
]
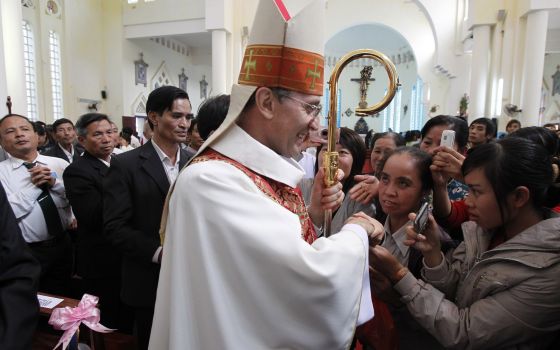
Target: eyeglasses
[{"x": 313, "y": 110}]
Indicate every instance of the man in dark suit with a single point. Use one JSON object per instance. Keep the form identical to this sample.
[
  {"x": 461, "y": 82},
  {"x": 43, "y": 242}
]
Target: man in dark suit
[
  {"x": 65, "y": 147},
  {"x": 134, "y": 193},
  {"x": 98, "y": 262},
  {"x": 19, "y": 279}
]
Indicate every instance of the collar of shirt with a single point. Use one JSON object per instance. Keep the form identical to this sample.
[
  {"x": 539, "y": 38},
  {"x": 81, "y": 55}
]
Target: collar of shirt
[
  {"x": 70, "y": 154},
  {"x": 16, "y": 162},
  {"x": 398, "y": 236},
  {"x": 163, "y": 156},
  {"x": 107, "y": 163},
  {"x": 235, "y": 144}
]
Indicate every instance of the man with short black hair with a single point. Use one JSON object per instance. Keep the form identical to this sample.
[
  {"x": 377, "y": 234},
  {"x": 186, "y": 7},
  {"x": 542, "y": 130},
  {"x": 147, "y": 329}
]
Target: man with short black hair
[
  {"x": 211, "y": 114},
  {"x": 65, "y": 147},
  {"x": 481, "y": 131},
  {"x": 35, "y": 191},
  {"x": 44, "y": 140},
  {"x": 98, "y": 262},
  {"x": 134, "y": 193}
]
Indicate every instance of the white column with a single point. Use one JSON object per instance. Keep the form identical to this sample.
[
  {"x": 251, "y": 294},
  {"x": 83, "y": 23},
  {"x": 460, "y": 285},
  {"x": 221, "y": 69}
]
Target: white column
[
  {"x": 12, "y": 71},
  {"x": 479, "y": 73},
  {"x": 219, "y": 60},
  {"x": 492, "y": 103},
  {"x": 535, "y": 42}
]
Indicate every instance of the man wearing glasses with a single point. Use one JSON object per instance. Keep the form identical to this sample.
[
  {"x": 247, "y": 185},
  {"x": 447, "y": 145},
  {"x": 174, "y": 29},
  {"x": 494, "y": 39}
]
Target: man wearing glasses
[
  {"x": 134, "y": 192},
  {"x": 242, "y": 265}
]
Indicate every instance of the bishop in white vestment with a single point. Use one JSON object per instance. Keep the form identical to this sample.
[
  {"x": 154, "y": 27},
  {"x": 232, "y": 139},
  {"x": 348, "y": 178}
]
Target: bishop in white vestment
[{"x": 241, "y": 266}]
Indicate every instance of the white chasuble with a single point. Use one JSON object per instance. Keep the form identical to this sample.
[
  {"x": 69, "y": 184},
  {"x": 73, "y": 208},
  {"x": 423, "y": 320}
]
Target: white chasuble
[{"x": 236, "y": 273}]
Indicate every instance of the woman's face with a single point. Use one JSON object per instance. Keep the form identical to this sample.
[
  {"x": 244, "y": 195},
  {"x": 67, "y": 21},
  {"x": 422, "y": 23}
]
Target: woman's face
[
  {"x": 481, "y": 202},
  {"x": 433, "y": 139},
  {"x": 400, "y": 186},
  {"x": 345, "y": 159},
  {"x": 196, "y": 140},
  {"x": 381, "y": 148}
]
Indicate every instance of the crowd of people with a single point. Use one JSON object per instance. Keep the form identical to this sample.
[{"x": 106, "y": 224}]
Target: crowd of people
[{"x": 207, "y": 231}]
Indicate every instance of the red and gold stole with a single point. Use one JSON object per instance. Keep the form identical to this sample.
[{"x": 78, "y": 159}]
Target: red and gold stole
[{"x": 288, "y": 197}]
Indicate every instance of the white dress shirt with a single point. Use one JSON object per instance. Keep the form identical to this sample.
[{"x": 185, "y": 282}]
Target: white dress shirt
[
  {"x": 22, "y": 196},
  {"x": 69, "y": 155},
  {"x": 171, "y": 170}
]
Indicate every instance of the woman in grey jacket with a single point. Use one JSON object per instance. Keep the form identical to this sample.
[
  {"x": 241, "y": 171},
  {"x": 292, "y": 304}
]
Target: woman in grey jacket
[{"x": 501, "y": 287}]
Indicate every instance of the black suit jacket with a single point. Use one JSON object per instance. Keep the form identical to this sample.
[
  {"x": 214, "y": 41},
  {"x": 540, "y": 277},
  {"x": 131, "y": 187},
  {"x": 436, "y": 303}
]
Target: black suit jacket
[
  {"x": 83, "y": 181},
  {"x": 134, "y": 193},
  {"x": 19, "y": 279},
  {"x": 56, "y": 151}
]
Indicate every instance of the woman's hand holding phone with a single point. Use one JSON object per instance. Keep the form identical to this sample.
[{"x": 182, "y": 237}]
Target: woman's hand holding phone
[{"x": 428, "y": 242}]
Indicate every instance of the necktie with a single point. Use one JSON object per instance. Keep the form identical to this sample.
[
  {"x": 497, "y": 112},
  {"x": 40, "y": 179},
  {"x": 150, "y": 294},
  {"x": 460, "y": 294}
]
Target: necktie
[{"x": 50, "y": 212}]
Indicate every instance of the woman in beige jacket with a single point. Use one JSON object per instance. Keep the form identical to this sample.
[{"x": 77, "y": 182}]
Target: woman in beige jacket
[{"x": 500, "y": 289}]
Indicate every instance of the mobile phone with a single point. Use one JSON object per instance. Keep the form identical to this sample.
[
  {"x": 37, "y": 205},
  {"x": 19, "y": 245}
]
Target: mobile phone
[
  {"x": 447, "y": 138},
  {"x": 421, "y": 218}
]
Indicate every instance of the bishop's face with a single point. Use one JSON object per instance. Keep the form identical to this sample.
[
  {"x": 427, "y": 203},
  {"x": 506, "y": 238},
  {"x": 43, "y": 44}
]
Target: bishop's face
[{"x": 295, "y": 119}]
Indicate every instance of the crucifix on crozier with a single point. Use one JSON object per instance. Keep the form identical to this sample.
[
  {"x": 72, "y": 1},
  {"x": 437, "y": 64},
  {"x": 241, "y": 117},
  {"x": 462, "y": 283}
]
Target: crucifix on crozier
[{"x": 365, "y": 78}]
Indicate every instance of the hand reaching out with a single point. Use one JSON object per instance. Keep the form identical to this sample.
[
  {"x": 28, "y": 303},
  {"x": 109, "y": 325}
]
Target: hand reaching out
[
  {"x": 385, "y": 263},
  {"x": 448, "y": 162},
  {"x": 365, "y": 189},
  {"x": 374, "y": 228}
]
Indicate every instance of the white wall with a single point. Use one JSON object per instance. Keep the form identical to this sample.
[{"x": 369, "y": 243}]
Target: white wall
[
  {"x": 96, "y": 57},
  {"x": 196, "y": 65},
  {"x": 382, "y": 39},
  {"x": 84, "y": 57},
  {"x": 12, "y": 73},
  {"x": 161, "y": 11},
  {"x": 415, "y": 25}
]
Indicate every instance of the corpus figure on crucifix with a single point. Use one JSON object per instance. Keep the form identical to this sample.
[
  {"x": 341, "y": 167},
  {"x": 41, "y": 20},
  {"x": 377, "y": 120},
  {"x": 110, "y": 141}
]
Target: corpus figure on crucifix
[{"x": 365, "y": 78}]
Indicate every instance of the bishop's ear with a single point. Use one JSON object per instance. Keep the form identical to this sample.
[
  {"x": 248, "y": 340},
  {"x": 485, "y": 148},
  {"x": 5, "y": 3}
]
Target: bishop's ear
[{"x": 266, "y": 102}]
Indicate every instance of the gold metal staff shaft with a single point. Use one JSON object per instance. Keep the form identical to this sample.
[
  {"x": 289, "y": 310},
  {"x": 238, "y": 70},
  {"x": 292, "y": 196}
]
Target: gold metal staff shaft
[{"x": 330, "y": 160}]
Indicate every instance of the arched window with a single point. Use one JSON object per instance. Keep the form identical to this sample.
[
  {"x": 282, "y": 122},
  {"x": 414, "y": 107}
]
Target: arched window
[
  {"x": 417, "y": 107},
  {"x": 56, "y": 77},
  {"x": 30, "y": 73}
]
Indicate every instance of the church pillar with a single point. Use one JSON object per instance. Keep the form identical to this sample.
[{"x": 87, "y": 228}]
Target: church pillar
[
  {"x": 533, "y": 66},
  {"x": 12, "y": 75},
  {"x": 480, "y": 71},
  {"x": 219, "y": 61}
]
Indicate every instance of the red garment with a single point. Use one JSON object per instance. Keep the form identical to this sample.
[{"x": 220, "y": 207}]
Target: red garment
[
  {"x": 288, "y": 197},
  {"x": 459, "y": 214},
  {"x": 380, "y": 332}
]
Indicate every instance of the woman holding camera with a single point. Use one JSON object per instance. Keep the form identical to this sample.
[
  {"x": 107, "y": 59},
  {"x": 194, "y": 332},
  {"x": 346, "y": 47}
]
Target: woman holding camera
[{"x": 499, "y": 288}]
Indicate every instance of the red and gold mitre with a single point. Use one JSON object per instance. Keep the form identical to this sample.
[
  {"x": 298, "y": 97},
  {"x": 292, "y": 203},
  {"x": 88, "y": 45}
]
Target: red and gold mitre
[
  {"x": 286, "y": 46},
  {"x": 285, "y": 50}
]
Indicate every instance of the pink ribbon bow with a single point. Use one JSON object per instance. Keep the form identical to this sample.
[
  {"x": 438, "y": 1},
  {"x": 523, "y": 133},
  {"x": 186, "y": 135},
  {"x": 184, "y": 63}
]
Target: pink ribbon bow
[{"x": 69, "y": 319}]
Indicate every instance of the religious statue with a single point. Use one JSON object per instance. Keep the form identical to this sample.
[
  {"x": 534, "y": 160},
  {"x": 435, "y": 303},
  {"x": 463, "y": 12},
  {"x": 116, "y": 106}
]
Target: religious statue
[
  {"x": 203, "y": 86},
  {"x": 183, "y": 80},
  {"x": 361, "y": 126},
  {"x": 140, "y": 71},
  {"x": 365, "y": 78},
  {"x": 556, "y": 81}
]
